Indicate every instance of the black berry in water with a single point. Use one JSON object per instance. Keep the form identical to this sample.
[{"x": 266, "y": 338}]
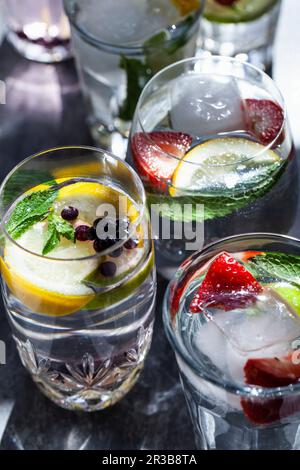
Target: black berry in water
[
  {"x": 131, "y": 244},
  {"x": 84, "y": 233},
  {"x": 100, "y": 245},
  {"x": 108, "y": 269},
  {"x": 117, "y": 252},
  {"x": 96, "y": 222},
  {"x": 69, "y": 213}
]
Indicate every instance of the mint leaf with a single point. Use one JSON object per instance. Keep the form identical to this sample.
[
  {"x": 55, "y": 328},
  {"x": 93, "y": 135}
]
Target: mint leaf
[
  {"x": 64, "y": 228},
  {"x": 138, "y": 75},
  {"x": 30, "y": 210},
  {"x": 57, "y": 228},
  {"x": 160, "y": 50},
  {"x": 282, "y": 266},
  {"x": 52, "y": 238},
  {"x": 218, "y": 206}
]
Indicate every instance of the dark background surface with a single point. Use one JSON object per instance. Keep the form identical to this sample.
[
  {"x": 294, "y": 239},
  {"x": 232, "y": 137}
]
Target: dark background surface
[{"x": 44, "y": 109}]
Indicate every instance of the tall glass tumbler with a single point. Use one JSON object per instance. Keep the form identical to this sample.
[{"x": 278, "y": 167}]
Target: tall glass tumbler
[
  {"x": 240, "y": 372},
  {"x": 244, "y": 29},
  {"x": 119, "y": 46},
  {"x": 39, "y": 29},
  {"x": 80, "y": 301}
]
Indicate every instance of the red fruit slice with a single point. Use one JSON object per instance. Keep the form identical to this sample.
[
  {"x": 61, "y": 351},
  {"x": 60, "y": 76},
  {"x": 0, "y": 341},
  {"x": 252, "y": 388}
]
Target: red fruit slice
[
  {"x": 226, "y": 3},
  {"x": 272, "y": 372},
  {"x": 154, "y": 153},
  {"x": 262, "y": 411},
  {"x": 264, "y": 119},
  {"x": 227, "y": 285}
]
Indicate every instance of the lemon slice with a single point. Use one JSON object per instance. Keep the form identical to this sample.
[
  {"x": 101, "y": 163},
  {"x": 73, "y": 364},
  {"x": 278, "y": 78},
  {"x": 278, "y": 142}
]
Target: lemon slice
[
  {"x": 224, "y": 166},
  {"x": 53, "y": 298},
  {"x": 54, "y": 285}
]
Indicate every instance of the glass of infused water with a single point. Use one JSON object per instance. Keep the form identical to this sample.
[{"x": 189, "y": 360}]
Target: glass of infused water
[
  {"x": 119, "y": 46},
  {"x": 232, "y": 315},
  {"x": 39, "y": 29},
  {"x": 78, "y": 275},
  {"x": 212, "y": 144}
]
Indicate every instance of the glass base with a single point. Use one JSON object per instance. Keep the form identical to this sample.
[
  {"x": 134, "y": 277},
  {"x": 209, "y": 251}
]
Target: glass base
[
  {"x": 217, "y": 426},
  {"x": 55, "y": 51},
  {"x": 89, "y": 400},
  {"x": 87, "y": 383}
]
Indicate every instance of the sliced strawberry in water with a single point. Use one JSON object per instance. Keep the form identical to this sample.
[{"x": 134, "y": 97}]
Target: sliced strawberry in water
[
  {"x": 264, "y": 119},
  {"x": 226, "y": 3},
  {"x": 227, "y": 285},
  {"x": 272, "y": 372},
  {"x": 262, "y": 411},
  {"x": 156, "y": 155}
]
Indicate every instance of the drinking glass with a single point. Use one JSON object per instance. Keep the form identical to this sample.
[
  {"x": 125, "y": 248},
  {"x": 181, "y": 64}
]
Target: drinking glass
[
  {"x": 82, "y": 315},
  {"x": 2, "y": 21},
  {"x": 228, "y": 413},
  {"x": 244, "y": 29},
  {"x": 211, "y": 142},
  {"x": 119, "y": 46},
  {"x": 39, "y": 29}
]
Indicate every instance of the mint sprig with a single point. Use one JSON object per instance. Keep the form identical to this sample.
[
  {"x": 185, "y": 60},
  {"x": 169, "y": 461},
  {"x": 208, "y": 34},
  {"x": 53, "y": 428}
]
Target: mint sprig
[
  {"x": 277, "y": 266},
  {"x": 32, "y": 209},
  {"x": 138, "y": 74},
  {"x": 218, "y": 206},
  {"x": 160, "y": 50},
  {"x": 57, "y": 228}
]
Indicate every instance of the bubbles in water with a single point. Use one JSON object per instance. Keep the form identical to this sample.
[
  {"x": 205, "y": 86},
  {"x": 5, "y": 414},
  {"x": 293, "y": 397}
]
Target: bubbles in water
[{"x": 206, "y": 105}]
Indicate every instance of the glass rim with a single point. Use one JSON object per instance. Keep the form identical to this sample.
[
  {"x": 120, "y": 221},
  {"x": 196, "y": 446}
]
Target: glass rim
[
  {"x": 131, "y": 49},
  {"x": 96, "y": 150},
  {"x": 212, "y": 58},
  {"x": 252, "y": 391}
]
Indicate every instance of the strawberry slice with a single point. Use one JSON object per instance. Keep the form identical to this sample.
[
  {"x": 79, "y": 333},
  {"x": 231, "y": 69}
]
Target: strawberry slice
[
  {"x": 227, "y": 285},
  {"x": 262, "y": 411},
  {"x": 264, "y": 119},
  {"x": 226, "y": 3},
  {"x": 154, "y": 153},
  {"x": 271, "y": 372}
]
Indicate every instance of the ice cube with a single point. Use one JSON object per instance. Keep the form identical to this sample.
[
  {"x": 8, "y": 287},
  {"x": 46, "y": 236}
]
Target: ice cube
[
  {"x": 266, "y": 323},
  {"x": 206, "y": 105},
  {"x": 211, "y": 341}
]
